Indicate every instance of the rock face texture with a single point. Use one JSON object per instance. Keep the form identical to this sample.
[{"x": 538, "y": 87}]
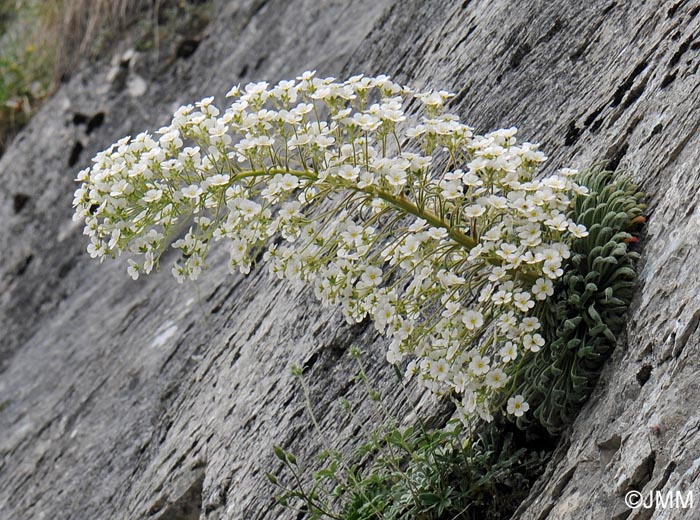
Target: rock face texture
[{"x": 149, "y": 399}]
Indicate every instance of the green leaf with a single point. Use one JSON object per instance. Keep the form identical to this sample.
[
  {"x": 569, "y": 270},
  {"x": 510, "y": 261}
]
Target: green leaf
[
  {"x": 429, "y": 499},
  {"x": 280, "y": 453}
]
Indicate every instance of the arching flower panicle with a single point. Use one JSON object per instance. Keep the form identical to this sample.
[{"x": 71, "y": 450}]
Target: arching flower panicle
[{"x": 444, "y": 238}]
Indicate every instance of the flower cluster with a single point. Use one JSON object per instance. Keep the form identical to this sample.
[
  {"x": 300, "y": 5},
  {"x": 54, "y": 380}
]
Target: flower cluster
[{"x": 441, "y": 236}]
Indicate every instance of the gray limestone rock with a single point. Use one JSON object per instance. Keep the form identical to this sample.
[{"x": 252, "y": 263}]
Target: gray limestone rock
[{"x": 149, "y": 399}]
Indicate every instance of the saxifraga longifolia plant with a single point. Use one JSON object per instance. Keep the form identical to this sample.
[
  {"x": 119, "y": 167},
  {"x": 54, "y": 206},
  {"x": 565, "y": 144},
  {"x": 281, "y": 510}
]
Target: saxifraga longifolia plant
[
  {"x": 497, "y": 290},
  {"x": 586, "y": 314}
]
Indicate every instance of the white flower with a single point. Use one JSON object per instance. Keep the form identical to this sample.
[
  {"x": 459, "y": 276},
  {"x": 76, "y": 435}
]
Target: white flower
[
  {"x": 533, "y": 342},
  {"x": 578, "y": 230},
  {"x": 552, "y": 269},
  {"x": 218, "y": 180},
  {"x": 555, "y": 182},
  {"x": 415, "y": 132},
  {"x": 384, "y": 314},
  {"x": 568, "y": 172},
  {"x": 450, "y": 190},
  {"x": 193, "y": 191},
  {"x": 502, "y": 298},
  {"x": 517, "y": 406},
  {"x": 248, "y": 208},
  {"x": 348, "y": 172},
  {"x": 543, "y": 288},
  {"x": 507, "y": 321},
  {"x": 580, "y": 190},
  {"x": 558, "y": 222},
  {"x": 366, "y": 179},
  {"x": 508, "y": 352},
  {"x": 496, "y": 378},
  {"x": 372, "y": 276},
  {"x": 508, "y": 251},
  {"x": 418, "y": 225},
  {"x": 288, "y": 182},
  {"x": 498, "y": 273},
  {"x": 437, "y": 233},
  {"x": 235, "y": 91},
  {"x": 366, "y": 122},
  {"x": 393, "y": 356},
  {"x": 493, "y": 234},
  {"x": 460, "y": 382},
  {"x": 264, "y": 141},
  {"x": 396, "y": 177},
  {"x": 474, "y": 211},
  {"x": 561, "y": 249},
  {"x": 238, "y": 250},
  {"x": 549, "y": 255},
  {"x": 479, "y": 365},
  {"x": 152, "y": 195},
  {"x": 435, "y": 99},
  {"x": 96, "y": 249},
  {"x": 439, "y": 369},
  {"x": 473, "y": 320},
  {"x": 530, "y": 324},
  {"x": 522, "y": 301},
  {"x": 179, "y": 273},
  {"x": 133, "y": 269},
  {"x": 471, "y": 179},
  {"x": 256, "y": 88},
  {"x": 352, "y": 236},
  {"x": 120, "y": 188}
]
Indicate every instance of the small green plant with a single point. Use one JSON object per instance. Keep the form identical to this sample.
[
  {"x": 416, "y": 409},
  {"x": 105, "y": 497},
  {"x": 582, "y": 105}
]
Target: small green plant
[
  {"x": 42, "y": 41},
  {"x": 25, "y": 70},
  {"x": 411, "y": 472}
]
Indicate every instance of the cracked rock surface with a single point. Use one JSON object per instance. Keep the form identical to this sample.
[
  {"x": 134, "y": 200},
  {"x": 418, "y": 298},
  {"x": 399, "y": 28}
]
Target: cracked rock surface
[{"x": 154, "y": 400}]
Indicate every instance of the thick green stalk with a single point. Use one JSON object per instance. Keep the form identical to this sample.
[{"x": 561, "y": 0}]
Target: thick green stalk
[{"x": 398, "y": 201}]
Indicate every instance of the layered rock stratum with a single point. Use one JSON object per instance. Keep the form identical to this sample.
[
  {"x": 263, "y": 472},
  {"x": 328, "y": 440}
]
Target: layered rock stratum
[{"x": 153, "y": 400}]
